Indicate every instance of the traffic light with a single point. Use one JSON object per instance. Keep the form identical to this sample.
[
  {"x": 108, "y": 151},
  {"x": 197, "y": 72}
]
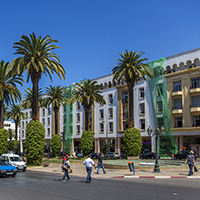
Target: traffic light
[{"x": 62, "y": 135}]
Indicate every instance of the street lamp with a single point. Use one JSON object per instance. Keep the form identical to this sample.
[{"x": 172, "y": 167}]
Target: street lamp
[
  {"x": 157, "y": 132},
  {"x": 107, "y": 142}
]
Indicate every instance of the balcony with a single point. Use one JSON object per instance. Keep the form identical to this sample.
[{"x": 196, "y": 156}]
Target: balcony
[
  {"x": 195, "y": 108},
  {"x": 194, "y": 89},
  {"x": 177, "y": 92},
  {"x": 177, "y": 110}
]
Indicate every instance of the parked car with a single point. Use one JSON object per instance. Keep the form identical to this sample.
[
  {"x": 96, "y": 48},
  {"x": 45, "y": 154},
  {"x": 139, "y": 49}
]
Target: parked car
[
  {"x": 94, "y": 155},
  {"x": 183, "y": 154},
  {"x": 14, "y": 160},
  {"x": 79, "y": 155},
  {"x": 6, "y": 169},
  {"x": 111, "y": 155},
  {"x": 149, "y": 155}
]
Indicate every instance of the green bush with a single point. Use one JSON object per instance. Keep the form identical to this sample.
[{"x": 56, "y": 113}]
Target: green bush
[
  {"x": 13, "y": 145},
  {"x": 3, "y": 141},
  {"x": 132, "y": 142},
  {"x": 87, "y": 142},
  {"x": 56, "y": 145},
  {"x": 35, "y": 140}
]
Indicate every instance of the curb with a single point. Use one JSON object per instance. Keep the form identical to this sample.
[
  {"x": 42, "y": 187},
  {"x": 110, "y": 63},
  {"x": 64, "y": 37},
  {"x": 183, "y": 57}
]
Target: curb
[{"x": 158, "y": 177}]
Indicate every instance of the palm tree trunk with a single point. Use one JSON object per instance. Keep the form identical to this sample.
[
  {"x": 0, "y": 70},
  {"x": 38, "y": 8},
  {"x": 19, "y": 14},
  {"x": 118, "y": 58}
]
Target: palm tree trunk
[
  {"x": 130, "y": 106},
  {"x": 35, "y": 110},
  {"x": 16, "y": 125},
  {"x": 1, "y": 115},
  {"x": 56, "y": 120},
  {"x": 86, "y": 113}
]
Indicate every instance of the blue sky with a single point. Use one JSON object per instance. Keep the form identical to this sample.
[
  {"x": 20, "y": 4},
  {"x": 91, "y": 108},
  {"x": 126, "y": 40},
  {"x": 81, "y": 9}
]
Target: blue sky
[{"x": 91, "y": 33}]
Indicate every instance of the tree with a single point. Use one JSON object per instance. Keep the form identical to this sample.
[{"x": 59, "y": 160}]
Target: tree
[
  {"x": 87, "y": 93},
  {"x": 13, "y": 145},
  {"x": 129, "y": 68},
  {"x": 27, "y": 101},
  {"x": 11, "y": 133},
  {"x": 16, "y": 113},
  {"x": 9, "y": 93},
  {"x": 87, "y": 142},
  {"x": 55, "y": 96},
  {"x": 56, "y": 145},
  {"x": 3, "y": 141},
  {"x": 37, "y": 59},
  {"x": 35, "y": 141},
  {"x": 132, "y": 142}
]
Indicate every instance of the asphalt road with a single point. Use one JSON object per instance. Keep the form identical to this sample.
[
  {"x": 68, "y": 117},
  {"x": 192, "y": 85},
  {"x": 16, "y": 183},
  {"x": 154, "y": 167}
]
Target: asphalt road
[{"x": 37, "y": 186}]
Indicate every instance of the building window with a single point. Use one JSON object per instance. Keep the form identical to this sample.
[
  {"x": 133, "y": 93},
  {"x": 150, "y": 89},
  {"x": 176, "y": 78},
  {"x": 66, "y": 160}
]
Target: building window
[
  {"x": 177, "y": 104},
  {"x": 141, "y": 93},
  {"x": 77, "y": 105},
  {"x": 196, "y": 120},
  {"x": 101, "y": 127},
  {"x": 159, "y": 106},
  {"x": 110, "y": 98},
  {"x": 49, "y": 111},
  {"x": 177, "y": 86},
  {"x": 30, "y": 114},
  {"x": 178, "y": 122},
  {"x": 125, "y": 125},
  {"x": 78, "y": 130},
  {"x": 110, "y": 126},
  {"x": 22, "y": 124},
  {"x": 48, "y": 132},
  {"x": 195, "y": 83},
  {"x": 27, "y": 113},
  {"x": 159, "y": 90},
  {"x": 78, "y": 117},
  {"x": 142, "y": 109},
  {"x": 160, "y": 122},
  {"x": 125, "y": 111},
  {"x": 43, "y": 121},
  {"x": 48, "y": 121},
  {"x": 43, "y": 112},
  {"x": 101, "y": 114},
  {"x": 195, "y": 102},
  {"x": 110, "y": 112},
  {"x": 125, "y": 97},
  {"x": 142, "y": 124},
  {"x": 23, "y": 133},
  {"x": 70, "y": 118}
]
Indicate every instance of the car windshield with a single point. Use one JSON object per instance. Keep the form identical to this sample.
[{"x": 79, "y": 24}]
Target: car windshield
[
  {"x": 16, "y": 159},
  {"x": 3, "y": 162}
]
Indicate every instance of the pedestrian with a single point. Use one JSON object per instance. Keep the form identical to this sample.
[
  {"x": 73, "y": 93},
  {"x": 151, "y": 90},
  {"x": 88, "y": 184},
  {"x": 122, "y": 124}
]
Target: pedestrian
[
  {"x": 190, "y": 160},
  {"x": 88, "y": 164},
  {"x": 100, "y": 163},
  {"x": 65, "y": 168}
]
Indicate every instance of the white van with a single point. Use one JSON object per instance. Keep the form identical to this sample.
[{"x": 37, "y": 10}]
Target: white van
[{"x": 15, "y": 160}]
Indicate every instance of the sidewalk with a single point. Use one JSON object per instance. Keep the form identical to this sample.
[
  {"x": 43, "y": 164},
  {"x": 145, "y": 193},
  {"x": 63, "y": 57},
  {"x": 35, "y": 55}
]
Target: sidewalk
[{"x": 79, "y": 171}]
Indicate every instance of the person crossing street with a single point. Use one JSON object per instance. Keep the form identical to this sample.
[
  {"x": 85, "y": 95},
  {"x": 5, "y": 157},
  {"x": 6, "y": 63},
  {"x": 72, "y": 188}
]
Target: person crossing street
[
  {"x": 88, "y": 164},
  {"x": 100, "y": 163}
]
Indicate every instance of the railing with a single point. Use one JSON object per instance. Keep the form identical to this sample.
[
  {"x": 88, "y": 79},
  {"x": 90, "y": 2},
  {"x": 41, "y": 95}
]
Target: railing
[
  {"x": 177, "y": 107},
  {"x": 194, "y": 105},
  {"x": 194, "y": 86},
  {"x": 176, "y": 89}
]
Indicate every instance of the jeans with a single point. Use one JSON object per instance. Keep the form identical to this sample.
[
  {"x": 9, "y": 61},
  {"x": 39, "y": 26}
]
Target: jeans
[
  {"x": 65, "y": 174},
  {"x": 190, "y": 169},
  {"x": 89, "y": 170},
  {"x": 100, "y": 164}
]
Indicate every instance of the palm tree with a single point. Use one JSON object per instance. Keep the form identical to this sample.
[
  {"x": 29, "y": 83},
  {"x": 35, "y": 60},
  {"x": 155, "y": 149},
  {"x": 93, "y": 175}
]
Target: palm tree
[
  {"x": 87, "y": 93},
  {"x": 28, "y": 99},
  {"x": 37, "y": 58},
  {"x": 16, "y": 113},
  {"x": 130, "y": 67},
  {"x": 8, "y": 88},
  {"x": 10, "y": 133},
  {"x": 55, "y": 96}
]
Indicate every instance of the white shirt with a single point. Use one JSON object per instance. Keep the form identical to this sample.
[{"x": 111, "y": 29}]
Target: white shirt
[{"x": 88, "y": 162}]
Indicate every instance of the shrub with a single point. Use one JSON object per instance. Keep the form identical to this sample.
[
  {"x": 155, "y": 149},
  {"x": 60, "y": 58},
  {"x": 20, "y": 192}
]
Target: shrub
[
  {"x": 3, "y": 141},
  {"x": 56, "y": 145},
  {"x": 132, "y": 142},
  {"x": 87, "y": 142},
  {"x": 35, "y": 140},
  {"x": 13, "y": 145}
]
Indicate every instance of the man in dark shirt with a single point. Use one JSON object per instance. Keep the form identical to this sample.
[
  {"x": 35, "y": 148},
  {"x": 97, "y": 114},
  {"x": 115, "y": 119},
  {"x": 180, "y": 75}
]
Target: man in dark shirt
[
  {"x": 100, "y": 163},
  {"x": 190, "y": 160}
]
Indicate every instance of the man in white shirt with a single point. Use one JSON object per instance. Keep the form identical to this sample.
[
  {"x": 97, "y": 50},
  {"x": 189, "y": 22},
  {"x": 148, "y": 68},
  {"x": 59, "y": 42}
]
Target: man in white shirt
[{"x": 88, "y": 164}]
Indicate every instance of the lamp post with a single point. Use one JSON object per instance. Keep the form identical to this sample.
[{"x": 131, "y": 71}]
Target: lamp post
[
  {"x": 107, "y": 142},
  {"x": 157, "y": 132}
]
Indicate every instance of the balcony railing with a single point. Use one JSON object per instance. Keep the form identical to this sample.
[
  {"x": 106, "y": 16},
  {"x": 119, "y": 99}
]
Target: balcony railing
[
  {"x": 194, "y": 86},
  {"x": 176, "y": 89},
  {"x": 194, "y": 105},
  {"x": 177, "y": 107}
]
